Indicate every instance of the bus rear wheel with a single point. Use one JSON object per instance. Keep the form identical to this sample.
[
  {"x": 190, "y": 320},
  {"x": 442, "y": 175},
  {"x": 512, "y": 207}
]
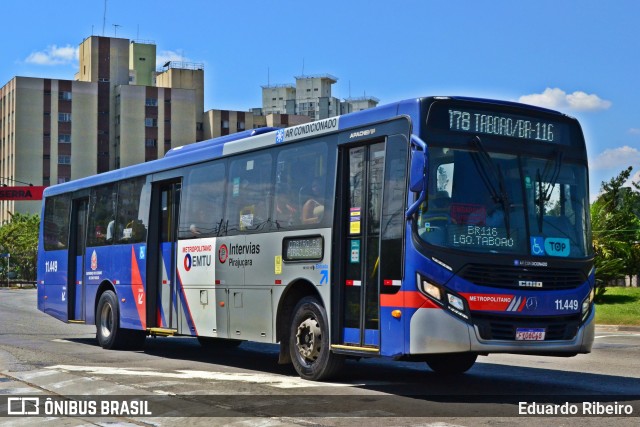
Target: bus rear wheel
[
  {"x": 108, "y": 331},
  {"x": 451, "y": 363},
  {"x": 309, "y": 342}
]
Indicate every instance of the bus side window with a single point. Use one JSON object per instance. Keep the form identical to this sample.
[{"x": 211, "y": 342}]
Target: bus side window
[
  {"x": 129, "y": 227},
  {"x": 202, "y": 202},
  {"x": 56, "y": 222},
  {"x": 249, "y": 193},
  {"x": 301, "y": 186},
  {"x": 102, "y": 215}
]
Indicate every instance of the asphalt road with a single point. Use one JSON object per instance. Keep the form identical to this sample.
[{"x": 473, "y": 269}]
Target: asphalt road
[{"x": 185, "y": 384}]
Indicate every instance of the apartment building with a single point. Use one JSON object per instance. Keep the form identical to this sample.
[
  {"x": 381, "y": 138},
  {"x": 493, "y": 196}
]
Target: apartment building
[
  {"x": 312, "y": 97},
  {"x": 118, "y": 111}
]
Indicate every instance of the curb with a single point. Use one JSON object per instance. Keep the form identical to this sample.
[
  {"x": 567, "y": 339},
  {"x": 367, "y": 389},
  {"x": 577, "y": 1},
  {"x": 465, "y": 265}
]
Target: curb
[{"x": 617, "y": 328}]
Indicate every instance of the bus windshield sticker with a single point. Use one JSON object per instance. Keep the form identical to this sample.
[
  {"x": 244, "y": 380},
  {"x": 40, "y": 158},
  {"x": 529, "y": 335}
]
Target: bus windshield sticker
[
  {"x": 355, "y": 214},
  {"x": 537, "y": 246},
  {"x": 557, "y": 246},
  {"x": 278, "y": 264},
  {"x": 355, "y": 251},
  {"x": 236, "y": 187}
]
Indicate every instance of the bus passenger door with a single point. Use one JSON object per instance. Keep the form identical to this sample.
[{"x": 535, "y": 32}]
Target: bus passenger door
[
  {"x": 75, "y": 284},
  {"x": 361, "y": 219},
  {"x": 166, "y": 289}
]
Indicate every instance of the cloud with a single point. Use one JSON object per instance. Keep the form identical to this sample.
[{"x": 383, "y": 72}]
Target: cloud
[
  {"x": 634, "y": 131},
  {"x": 616, "y": 158},
  {"x": 170, "y": 55},
  {"x": 558, "y": 99},
  {"x": 54, "y": 55}
]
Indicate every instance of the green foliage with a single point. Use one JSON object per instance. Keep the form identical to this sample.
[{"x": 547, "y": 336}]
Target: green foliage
[
  {"x": 616, "y": 231},
  {"x": 620, "y": 306},
  {"x": 19, "y": 237}
]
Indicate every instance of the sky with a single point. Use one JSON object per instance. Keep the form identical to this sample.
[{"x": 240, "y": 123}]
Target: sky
[{"x": 579, "y": 57}]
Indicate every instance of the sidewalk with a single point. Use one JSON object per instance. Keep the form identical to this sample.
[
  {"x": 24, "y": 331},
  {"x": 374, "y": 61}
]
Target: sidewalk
[{"x": 617, "y": 328}]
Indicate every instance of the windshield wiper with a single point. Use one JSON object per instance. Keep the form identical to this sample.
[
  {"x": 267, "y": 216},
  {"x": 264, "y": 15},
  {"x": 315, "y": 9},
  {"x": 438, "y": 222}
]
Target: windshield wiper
[
  {"x": 485, "y": 164},
  {"x": 544, "y": 193}
]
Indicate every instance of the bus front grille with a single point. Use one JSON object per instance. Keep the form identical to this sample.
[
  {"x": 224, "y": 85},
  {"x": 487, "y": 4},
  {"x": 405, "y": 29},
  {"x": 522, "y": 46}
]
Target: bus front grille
[{"x": 498, "y": 276}]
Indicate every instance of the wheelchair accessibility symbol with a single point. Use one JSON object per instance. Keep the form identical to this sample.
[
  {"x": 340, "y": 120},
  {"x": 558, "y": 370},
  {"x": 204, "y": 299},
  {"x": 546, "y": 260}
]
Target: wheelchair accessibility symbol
[{"x": 537, "y": 246}]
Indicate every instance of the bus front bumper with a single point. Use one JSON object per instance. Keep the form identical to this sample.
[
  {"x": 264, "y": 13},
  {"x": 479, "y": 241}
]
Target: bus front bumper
[{"x": 435, "y": 331}]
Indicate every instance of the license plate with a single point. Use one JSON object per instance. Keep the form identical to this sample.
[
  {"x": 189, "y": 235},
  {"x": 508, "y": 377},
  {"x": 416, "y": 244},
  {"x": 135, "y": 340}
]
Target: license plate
[{"x": 530, "y": 334}]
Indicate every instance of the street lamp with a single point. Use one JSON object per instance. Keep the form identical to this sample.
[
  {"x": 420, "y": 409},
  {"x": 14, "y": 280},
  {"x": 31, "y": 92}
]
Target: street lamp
[{"x": 15, "y": 180}]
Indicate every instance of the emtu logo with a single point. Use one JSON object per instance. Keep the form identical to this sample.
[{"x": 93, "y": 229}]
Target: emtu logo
[
  {"x": 94, "y": 261},
  {"x": 187, "y": 262}
]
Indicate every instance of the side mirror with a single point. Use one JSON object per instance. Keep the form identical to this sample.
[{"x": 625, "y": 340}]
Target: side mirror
[{"x": 419, "y": 173}]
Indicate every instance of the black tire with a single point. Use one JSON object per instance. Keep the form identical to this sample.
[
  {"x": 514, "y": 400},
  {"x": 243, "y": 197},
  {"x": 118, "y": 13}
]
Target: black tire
[
  {"x": 210, "y": 343},
  {"x": 309, "y": 344},
  {"x": 451, "y": 363},
  {"x": 108, "y": 331}
]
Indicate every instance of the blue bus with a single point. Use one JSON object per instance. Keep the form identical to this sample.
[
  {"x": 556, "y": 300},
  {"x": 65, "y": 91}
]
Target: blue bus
[{"x": 435, "y": 229}]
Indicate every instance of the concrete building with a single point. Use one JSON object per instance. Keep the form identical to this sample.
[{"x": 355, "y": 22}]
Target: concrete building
[
  {"x": 225, "y": 122},
  {"x": 111, "y": 115},
  {"x": 311, "y": 96}
]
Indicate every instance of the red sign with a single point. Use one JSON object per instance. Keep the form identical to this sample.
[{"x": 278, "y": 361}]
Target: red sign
[{"x": 31, "y": 192}]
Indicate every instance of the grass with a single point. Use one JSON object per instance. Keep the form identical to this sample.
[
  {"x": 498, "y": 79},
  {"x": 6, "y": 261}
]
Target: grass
[{"x": 619, "y": 306}]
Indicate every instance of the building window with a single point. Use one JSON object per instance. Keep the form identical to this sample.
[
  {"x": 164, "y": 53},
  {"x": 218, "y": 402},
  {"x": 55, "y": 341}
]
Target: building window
[
  {"x": 151, "y": 102},
  {"x": 150, "y": 122},
  {"x": 62, "y": 180},
  {"x": 240, "y": 126},
  {"x": 150, "y": 142},
  {"x": 64, "y": 96},
  {"x": 225, "y": 124},
  {"x": 64, "y": 138},
  {"x": 64, "y": 117},
  {"x": 199, "y": 126},
  {"x": 64, "y": 160}
]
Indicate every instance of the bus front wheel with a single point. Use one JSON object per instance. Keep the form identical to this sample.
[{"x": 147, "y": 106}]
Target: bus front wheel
[
  {"x": 108, "y": 331},
  {"x": 452, "y": 363},
  {"x": 309, "y": 342}
]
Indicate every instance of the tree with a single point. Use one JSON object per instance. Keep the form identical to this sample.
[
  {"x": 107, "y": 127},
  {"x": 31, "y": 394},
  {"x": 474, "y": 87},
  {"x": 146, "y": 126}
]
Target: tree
[
  {"x": 19, "y": 238},
  {"x": 616, "y": 230}
]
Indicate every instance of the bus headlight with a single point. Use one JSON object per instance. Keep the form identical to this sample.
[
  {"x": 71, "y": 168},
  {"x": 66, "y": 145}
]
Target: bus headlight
[
  {"x": 586, "y": 304},
  {"x": 430, "y": 289},
  {"x": 456, "y": 302}
]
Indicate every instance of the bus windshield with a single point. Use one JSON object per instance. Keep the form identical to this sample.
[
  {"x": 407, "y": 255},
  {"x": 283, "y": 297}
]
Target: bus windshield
[{"x": 492, "y": 202}]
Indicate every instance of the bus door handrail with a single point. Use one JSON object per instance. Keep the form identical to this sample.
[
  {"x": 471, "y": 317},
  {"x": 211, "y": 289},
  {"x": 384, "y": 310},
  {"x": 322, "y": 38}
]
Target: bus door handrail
[{"x": 423, "y": 178}]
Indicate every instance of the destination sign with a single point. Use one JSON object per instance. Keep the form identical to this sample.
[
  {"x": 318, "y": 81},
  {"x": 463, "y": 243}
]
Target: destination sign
[
  {"x": 303, "y": 248},
  {"x": 500, "y": 122}
]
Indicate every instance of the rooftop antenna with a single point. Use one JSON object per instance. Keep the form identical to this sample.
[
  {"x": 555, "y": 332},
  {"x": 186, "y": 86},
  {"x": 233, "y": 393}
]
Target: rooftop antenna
[
  {"x": 302, "y": 67},
  {"x": 115, "y": 29},
  {"x": 104, "y": 17}
]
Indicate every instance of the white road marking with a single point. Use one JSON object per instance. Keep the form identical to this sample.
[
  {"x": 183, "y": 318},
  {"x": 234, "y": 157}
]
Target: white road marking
[
  {"x": 277, "y": 381},
  {"x": 621, "y": 335}
]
